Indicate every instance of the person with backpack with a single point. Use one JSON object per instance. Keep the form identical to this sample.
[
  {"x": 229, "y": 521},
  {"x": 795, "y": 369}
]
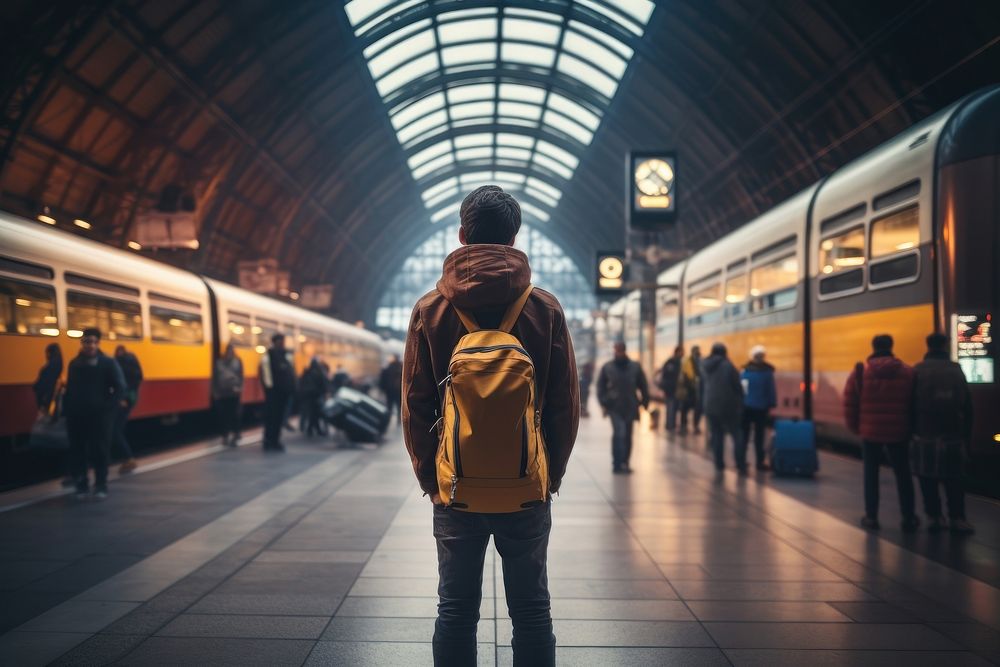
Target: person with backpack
[
  {"x": 132, "y": 370},
  {"x": 277, "y": 377},
  {"x": 723, "y": 407},
  {"x": 313, "y": 387},
  {"x": 227, "y": 390},
  {"x": 669, "y": 382},
  {"x": 761, "y": 396},
  {"x": 689, "y": 391},
  {"x": 621, "y": 389},
  {"x": 878, "y": 399},
  {"x": 490, "y": 414},
  {"x": 942, "y": 427}
]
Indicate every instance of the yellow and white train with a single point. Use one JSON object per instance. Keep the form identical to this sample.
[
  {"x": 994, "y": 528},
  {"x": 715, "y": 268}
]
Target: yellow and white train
[
  {"x": 905, "y": 240},
  {"x": 54, "y": 284}
]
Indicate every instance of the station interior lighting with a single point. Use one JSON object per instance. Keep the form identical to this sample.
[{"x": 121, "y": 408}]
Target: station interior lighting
[
  {"x": 134, "y": 245},
  {"x": 47, "y": 219},
  {"x": 294, "y": 296},
  {"x": 82, "y": 224}
]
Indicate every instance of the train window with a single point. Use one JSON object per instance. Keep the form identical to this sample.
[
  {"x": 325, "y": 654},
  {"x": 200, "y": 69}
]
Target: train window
[
  {"x": 239, "y": 330},
  {"x": 843, "y": 252},
  {"x": 897, "y": 269},
  {"x": 171, "y": 325},
  {"x": 27, "y": 309},
  {"x": 773, "y": 285},
  {"x": 117, "y": 319},
  {"x": 736, "y": 294},
  {"x": 704, "y": 304},
  {"x": 668, "y": 310},
  {"x": 263, "y": 330},
  {"x": 900, "y": 194},
  {"x": 94, "y": 283},
  {"x": 311, "y": 342},
  {"x": 25, "y": 268},
  {"x": 843, "y": 218},
  {"x": 896, "y": 232},
  {"x": 846, "y": 281}
]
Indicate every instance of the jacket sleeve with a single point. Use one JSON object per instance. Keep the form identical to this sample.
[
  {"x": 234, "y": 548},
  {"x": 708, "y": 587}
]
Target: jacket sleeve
[
  {"x": 643, "y": 388},
  {"x": 852, "y": 408},
  {"x": 420, "y": 403},
  {"x": 561, "y": 412}
]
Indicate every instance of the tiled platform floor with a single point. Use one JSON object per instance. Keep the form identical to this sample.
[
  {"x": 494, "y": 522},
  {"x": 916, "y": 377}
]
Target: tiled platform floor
[{"x": 325, "y": 557}]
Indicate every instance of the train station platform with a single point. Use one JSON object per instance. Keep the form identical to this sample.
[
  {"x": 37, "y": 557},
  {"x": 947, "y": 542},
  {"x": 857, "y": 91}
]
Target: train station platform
[{"x": 324, "y": 556}]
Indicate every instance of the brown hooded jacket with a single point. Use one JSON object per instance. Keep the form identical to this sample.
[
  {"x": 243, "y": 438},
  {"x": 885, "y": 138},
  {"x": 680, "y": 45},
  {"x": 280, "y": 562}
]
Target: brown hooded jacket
[{"x": 483, "y": 279}]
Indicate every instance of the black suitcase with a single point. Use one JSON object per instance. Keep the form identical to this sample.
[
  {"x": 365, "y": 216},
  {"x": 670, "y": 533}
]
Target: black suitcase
[{"x": 360, "y": 417}]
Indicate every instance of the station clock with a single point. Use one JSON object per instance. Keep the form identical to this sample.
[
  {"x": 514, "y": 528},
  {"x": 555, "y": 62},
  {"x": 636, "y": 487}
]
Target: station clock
[{"x": 651, "y": 179}]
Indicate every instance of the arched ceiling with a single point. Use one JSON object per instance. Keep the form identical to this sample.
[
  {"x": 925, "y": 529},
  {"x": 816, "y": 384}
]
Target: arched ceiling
[{"x": 269, "y": 112}]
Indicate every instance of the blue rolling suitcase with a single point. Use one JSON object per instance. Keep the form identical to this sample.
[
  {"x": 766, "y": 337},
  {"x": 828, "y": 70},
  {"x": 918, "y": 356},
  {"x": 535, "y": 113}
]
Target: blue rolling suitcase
[{"x": 793, "y": 448}]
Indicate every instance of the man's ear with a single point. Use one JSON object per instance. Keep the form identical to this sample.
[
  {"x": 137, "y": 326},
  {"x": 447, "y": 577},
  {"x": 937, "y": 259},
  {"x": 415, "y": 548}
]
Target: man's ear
[
  {"x": 512, "y": 239},
  {"x": 461, "y": 236}
]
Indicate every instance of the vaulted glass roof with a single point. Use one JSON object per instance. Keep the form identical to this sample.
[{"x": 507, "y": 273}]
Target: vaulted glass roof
[{"x": 508, "y": 93}]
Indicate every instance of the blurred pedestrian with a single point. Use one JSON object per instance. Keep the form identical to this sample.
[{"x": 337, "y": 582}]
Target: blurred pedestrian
[
  {"x": 586, "y": 379},
  {"x": 95, "y": 387},
  {"x": 227, "y": 391},
  {"x": 689, "y": 391},
  {"x": 942, "y": 428},
  {"x": 621, "y": 389},
  {"x": 391, "y": 383},
  {"x": 312, "y": 390},
  {"x": 878, "y": 399},
  {"x": 340, "y": 378},
  {"x": 48, "y": 379},
  {"x": 761, "y": 396},
  {"x": 723, "y": 398},
  {"x": 277, "y": 376},
  {"x": 132, "y": 371},
  {"x": 669, "y": 380}
]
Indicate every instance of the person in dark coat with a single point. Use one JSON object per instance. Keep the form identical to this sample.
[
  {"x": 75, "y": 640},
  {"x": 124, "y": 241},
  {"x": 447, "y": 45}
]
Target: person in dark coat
[
  {"x": 586, "y": 378},
  {"x": 132, "y": 371},
  {"x": 341, "y": 378},
  {"x": 723, "y": 399},
  {"x": 942, "y": 427},
  {"x": 48, "y": 379},
  {"x": 761, "y": 396},
  {"x": 877, "y": 402},
  {"x": 95, "y": 388},
  {"x": 277, "y": 375},
  {"x": 621, "y": 389},
  {"x": 312, "y": 389},
  {"x": 668, "y": 380},
  {"x": 689, "y": 391},
  {"x": 390, "y": 381},
  {"x": 227, "y": 390}
]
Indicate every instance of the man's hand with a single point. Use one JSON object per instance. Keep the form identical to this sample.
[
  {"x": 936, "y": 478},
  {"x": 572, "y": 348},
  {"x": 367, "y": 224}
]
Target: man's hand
[{"x": 436, "y": 499}]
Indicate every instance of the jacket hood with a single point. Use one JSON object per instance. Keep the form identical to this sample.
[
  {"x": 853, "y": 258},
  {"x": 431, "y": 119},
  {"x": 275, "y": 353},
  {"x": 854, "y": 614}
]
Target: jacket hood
[
  {"x": 885, "y": 367},
  {"x": 754, "y": 365},
  {"x": 483, "y": 275},
  {"x": 710, "y": 364}
]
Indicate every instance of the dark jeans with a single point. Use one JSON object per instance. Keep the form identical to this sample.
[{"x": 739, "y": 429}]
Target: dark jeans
[
  {"x": 718, "y": 429},
  {"x": 393, "y": 401},
  {"x": 954, "y": 491},
  {"x": 118, "y": 439},
  {"x": 899, "y": 458},
  {"x": 312, "y": 409},
  {"x": 522, "y": 540},
  {"x": 621, "y": 440},
  {"x": 758, "y": 420},
  {"x": 89, "y": 442},
  {"x": 687, "y": 406},
  {"x": 275, "y": 405},
  {"x": 672, "y": 406},
  {"x": 227, "y": 411}
]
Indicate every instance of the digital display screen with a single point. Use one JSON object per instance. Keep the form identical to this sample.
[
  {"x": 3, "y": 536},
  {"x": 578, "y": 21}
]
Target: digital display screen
[{"x": 972, "y": 346}]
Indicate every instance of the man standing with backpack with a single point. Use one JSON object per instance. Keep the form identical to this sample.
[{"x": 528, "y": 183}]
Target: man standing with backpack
[
  {"x": 668, "y": 381},
  {"x": 490, "y": 414}
]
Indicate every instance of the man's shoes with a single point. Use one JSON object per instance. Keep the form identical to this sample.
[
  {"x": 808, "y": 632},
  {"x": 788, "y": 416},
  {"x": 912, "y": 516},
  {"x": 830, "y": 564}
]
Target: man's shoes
[
  {"x": 127, "y": 467},
  {"x": 961, "y": 527},
  {"x": 100, "y": 493},
  {"x": 910, "y": 524},
  {"x": 937, "y": 524},
  {"x": 870, "y": 523}
]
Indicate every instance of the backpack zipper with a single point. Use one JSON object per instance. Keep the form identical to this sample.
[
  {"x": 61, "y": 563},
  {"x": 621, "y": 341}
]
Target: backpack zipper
[
  {"x": 491, "y": 348},
  {"x": 454, "y": 436},
  {"x": 524, "y": 448}
]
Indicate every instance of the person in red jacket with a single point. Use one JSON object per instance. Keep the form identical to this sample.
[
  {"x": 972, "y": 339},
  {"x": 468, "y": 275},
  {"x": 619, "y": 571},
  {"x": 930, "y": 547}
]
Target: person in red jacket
[{"x": 877, "y": 403}]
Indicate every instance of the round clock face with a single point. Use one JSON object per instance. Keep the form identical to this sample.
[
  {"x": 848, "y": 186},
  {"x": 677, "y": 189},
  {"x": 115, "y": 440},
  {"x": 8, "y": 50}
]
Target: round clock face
[
  {"x": 654, "y": 178},
  {"x": 611, "y": 267}
]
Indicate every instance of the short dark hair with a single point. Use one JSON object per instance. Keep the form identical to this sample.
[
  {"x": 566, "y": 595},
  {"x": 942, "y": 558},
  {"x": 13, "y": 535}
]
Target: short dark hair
[
  {"x": 276, "y": 337},
  {"x": 490, "y": 215},
  {"x": 92, "y": 331},
  {"x": 882, "y": 343},
  {"x": 937, "y": 342}
]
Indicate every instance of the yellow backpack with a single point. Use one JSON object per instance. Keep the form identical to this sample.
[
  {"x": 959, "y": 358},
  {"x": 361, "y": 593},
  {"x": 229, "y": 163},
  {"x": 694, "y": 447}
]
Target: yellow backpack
[{"x": 492, "y": 456}]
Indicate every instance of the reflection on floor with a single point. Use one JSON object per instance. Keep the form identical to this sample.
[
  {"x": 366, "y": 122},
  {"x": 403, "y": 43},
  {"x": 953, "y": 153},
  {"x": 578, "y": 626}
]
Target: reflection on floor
[{"x": 325, "y": 557}]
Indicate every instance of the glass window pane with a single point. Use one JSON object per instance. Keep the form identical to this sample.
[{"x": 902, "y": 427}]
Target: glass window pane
[
  {"x": 842, "y": 252},
  {"x": 239, "y": 331},
  {"x": 588, "y": 49},
  {"x": 574, "y": 111},
  {"x": 413, "y": 69},
  {"x": 773, "y": 285},
  {"x": 359, "y": 10},
  {"x": 167, "y": 325},
  {"x": 850, "y": 280},
  {"x": 534, "y": 211},
  {"x": 472, "y": 110},
  {"x": 509, "y": 176},
  {"x": 892, "y": 270},
  {"x": 481, "y": 153},
  {"x": 553, "y": 192},
  {"x": 467, "y": 31},
  {"x": 552, "y": 165},
  {"x": 263, "y": 330},
  {"x": 736, "y": 288},
  {"x": 406, "y": 50},
  {"x": 522, "y": 154},
  {"x": 557, "y": 153},
  {"x": 897, "y": 232},
  {"x": 432, "y": 165},
  {"x": 476, "y": 178},
  {"x": 541, "y": 56},
  {"x": 422, "y": 107},
  {"x": 516, "y": 140},
  {"x": 624, "y": 50},
  {"x": 482, "y": 91},
  {"x": 424, "y": 126},
  {"x": 588, "y": 74},
  {"x": 541, "y": 196},
  {"x": 469, "y": 53},
  {"x": 440, "y": 187},
  {"x": 444, "y": 196},
  {"x": 445, "y": 212},
  {"x": 479, "y": 139},
  {"x": 563, "y": 124},
  {"x": 530, "y": 111},
  {"x": 117, "y": 320},
  {"x": 640, "y": 10},
  {"x": 531, "y": 31},
  {"x": 27, "y": 309},
  {"x": 613, "y": 15},
  {"x": 429, "y": 153},
  {"x": 394, "y": 37},
  {"x": 704, "y": 304},
  {"x": 519, "y": 93}
]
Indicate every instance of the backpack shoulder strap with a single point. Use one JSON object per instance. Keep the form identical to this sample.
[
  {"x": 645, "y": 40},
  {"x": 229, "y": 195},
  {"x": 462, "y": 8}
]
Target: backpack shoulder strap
[
  {"x": 468, "y": 321},
  {"x": 514, "y": 310}
]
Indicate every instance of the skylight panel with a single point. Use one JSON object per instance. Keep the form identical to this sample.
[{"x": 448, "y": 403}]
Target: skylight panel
[
  {"x": 472, "y": 110},
  {"x": 522, "y": 154},
  {"x": 509, "y": 177},
  {"x": 393, "y": 37},
  {"x": 534, "y": 211},
  {"x": 417, "y": 109},
  {"x": 588, "y": 74},
  {"x": 481, "y": 153},
  {"x": 530, "y": 111},
  {"x": 445, "y": 212},
  {"x": 435, "y": 190},
  {"x": 624, "y": 50},
  {"x": 426, "y": 123},
  {"x": 467, "y": 13},
  {"x": 566, "y": 126},
  {"x": 401, "y": 52},
  {"x": 433, "y": 165},
  {"x": 481, "y": 139},
  {"x": 640, "y": 10},
  {"x": 467, "y": 31},
  {"x": 595, "y": 53},
  {"x": 517, "y": 121},
  {"x": 617, "y": 17},
  {"x": 539, "y": 184},
  {"x": 531, "y": 31},
  {"x": 441, "y": 198},
  {"x": 526, "y": 53},
  {"x": 475, "y": 178},
  {"x": 554, "y": 151},
  {"x": 554, "y": 166},
  {"x": 359, "y": 10},
  {"x": 469, "y": 53},
  {"x": 541, "y": 196},
  {"x": 519, "y": 93},
  {"x": 482, "y": 91},
  {"x": 430, "y": 153},
  {"x": 407, "y": 73},
  {"x": 536, "y": 14},
  {"x": 518, "y": 140},
  {"x": 574, "y": 111},
  {"x": 370, "y": 23}
]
